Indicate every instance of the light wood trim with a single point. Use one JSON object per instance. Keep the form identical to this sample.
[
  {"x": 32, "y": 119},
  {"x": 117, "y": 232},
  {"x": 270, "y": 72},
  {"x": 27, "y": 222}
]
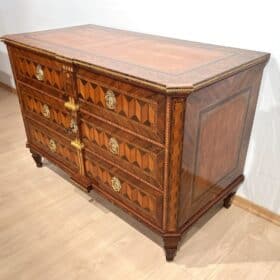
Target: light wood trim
[
  {"x": 8, "y": 88},
  {"x": 256, "y": 210}
]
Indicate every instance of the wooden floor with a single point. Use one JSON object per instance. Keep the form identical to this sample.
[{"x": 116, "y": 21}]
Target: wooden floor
[{"x": 51, "y": 230}]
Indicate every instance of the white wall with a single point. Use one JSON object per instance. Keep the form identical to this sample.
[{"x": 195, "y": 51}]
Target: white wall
[{"x": 244, "y": 24}]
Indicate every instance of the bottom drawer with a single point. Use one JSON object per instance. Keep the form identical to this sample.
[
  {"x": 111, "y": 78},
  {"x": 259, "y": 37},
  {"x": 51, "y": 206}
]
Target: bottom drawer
[
  {"x": 128, "y": 192},
  {"x": 54, "y": 146}
]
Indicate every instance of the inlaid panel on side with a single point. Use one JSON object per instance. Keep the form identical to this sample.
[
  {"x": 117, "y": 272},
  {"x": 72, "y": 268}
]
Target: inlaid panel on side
[
  {"x": 218, "y": 122},
  {"x": 219, "y": 141}
]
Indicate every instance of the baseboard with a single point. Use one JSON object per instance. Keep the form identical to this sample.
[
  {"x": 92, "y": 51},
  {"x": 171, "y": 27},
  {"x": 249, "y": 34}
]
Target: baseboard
[
  {"x": 8, "y": 88},
  {"x": 256, "y": 210}
]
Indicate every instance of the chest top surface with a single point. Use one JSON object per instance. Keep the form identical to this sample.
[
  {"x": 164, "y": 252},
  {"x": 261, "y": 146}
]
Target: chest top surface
[{"x": 166, "y": 62}]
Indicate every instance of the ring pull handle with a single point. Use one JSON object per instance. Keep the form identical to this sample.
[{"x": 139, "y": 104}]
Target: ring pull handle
[
  {"x": 110, "y": 99},
  {"x": 52, "y": 145},
  {"x": 46, "y": 111},
  {"x": 39, "y": 73},
  {"x": 113, "y": 146},
  {"x": 116, "y": 184}
]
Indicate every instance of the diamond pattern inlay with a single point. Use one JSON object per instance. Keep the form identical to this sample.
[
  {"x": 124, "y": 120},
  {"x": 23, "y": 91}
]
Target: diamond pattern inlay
[
  {"x": 36, "y": 106},
  {"x": 145, "y": 201},
  {"x": 126, "y": 105},
  {"x": 61, "y": 150},
  {"x": 128, "y": 152},
  {"x": 52, "y": 77}
]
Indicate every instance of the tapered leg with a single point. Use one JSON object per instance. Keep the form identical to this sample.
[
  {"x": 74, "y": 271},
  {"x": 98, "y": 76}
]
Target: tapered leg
[
  {"x": 37, "y": 158},
  {"x": 170, "y": 246},
  {"x": 228, "y": 200}
]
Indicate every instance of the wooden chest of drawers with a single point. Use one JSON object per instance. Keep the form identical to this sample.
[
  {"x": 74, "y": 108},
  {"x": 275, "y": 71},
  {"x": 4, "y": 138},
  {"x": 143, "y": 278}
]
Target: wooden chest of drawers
[{"x": 158, "y": 126}]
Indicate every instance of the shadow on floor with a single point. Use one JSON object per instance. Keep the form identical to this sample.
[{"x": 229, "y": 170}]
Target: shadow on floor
[{"x": 106, "y": 206}]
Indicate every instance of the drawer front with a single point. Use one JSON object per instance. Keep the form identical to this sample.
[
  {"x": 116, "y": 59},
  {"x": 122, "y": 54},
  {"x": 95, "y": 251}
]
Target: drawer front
[
  {"x": 136, "y": 156},
  {"x": 54, "y": 145},
  {"x": 48, "y": 110},
  {"x": 137, "y": 109},
  {"x": 43, "y": 72},
  {"x": 127, "y": 192}
]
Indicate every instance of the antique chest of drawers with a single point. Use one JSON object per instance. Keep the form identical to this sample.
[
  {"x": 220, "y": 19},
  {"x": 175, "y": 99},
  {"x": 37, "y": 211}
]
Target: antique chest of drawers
[{"x": 158, "y": 126}]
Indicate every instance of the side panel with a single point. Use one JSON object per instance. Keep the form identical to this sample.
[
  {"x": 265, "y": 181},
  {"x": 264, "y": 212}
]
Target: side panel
[{"x": 218, "y": 123}]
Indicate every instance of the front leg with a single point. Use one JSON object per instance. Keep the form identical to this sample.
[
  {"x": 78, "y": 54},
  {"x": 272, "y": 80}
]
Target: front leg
[
  {"x": 37, "y": 158},
  {"x": 228, "y": 200},
  {"x": 171, "y": 246}
]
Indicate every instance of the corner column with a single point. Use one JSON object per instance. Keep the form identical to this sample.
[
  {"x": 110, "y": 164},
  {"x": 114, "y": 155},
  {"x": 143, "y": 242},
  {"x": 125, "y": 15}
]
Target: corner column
[{"x": 172, "y": 236}]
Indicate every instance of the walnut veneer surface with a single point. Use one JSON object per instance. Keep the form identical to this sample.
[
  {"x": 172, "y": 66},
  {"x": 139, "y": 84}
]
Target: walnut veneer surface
[{"x": 158, "y": 126}]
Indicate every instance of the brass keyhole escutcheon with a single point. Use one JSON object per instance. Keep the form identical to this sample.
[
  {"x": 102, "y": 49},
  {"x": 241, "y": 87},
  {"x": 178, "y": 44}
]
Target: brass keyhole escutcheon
[
  {"x": 113, "y": 146},
  {"x": 39, "y": 73},
  {"x": 116, "y": 184},
  {"x": 110, "y": 99},
  {"x": 46, "y": 111},
  {"x": 52, "y": 145},
  {"x": 71, "y": 105},
  {"x": 73, "y": 126}
]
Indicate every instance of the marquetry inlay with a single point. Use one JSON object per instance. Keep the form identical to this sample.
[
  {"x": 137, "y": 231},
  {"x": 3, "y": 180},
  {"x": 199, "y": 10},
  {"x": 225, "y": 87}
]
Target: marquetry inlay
[
  {"x": 125, "y": 105},
  {"x": 129, "y": 192},
  {"x": 36, "y": 106},
  {"x": 42, "y": 139},
  {"x": 126, "y": 151},
  {"x": 29, "y": 69}
]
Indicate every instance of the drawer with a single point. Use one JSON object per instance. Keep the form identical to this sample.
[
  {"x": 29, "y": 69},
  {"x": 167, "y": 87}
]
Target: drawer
[
  {"x": 126, "y": 192},
  {"x": 138, "y": 157},
  {"x": 43, "y": 72},
  {"x": 138, "y": 110},
  {"x": 48, "y": 110},
  {"x": 54, "y": 146}
]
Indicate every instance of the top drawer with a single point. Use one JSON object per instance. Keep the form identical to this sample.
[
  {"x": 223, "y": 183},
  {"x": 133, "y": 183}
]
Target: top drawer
[
  {"x": 138, "y": 110},
  {"x": 43, "y": 72}
]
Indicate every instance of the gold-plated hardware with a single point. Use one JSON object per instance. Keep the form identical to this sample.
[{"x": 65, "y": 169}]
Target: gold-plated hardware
[
  {"x": 70, "y": 105},
  {"x": 46, "y": 111},
  {"x": 113, "y": 146},
  {"x": 110, "y": 99},
  {"x": 116, "y": 184},
  {"x": 73, "y": 126},
  {"x": 52, "y": 145},
  {"x": 77, "y": 144},
  {"x": 39, "y": 73}
]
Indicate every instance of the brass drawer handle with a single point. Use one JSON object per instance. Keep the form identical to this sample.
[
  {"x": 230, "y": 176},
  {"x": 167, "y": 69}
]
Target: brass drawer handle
[
  {"x": 110, "y": 99},
  {"x": 52, "y": 145},
  {"x": 116, "y": 184},
  {"x": 113, "y": 146},
  {"x": 71, "y": 105},
  {"x": 77, "y": 144},
  {"x": 39, "y": 73},
  {"x": 73, "y": 126},
  {"x": 46, "y": 111}
]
